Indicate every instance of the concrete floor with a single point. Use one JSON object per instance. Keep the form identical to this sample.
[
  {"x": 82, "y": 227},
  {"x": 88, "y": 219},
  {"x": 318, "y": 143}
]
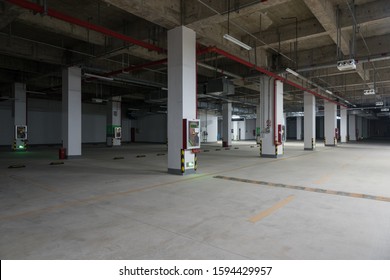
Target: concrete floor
[{"x": 100, "y": 208}]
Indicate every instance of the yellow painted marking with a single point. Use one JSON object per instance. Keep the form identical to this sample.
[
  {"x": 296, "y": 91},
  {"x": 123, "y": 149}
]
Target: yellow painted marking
[
  {"x": 108, "y": 196},
  {"x": 323, "y": 179},
  {"x": 86, "y": 201},
  {"x": 271, "y": 210}
]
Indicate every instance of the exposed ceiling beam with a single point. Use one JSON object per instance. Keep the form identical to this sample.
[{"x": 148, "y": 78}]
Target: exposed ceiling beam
[{"x": 58, "y": 26}]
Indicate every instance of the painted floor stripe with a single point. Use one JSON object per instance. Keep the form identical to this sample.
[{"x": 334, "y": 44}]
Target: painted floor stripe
[
  {"x": 308, "y": 189},
  {"x": 271, "y": 210}
]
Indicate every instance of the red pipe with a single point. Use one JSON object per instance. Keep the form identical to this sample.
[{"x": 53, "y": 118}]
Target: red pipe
[
  {"x": 136, "y": 67},
  {"x": 276, "y": 143},
  {"x": 55, "y": 14},
  {"x": 271, "y": 74},
  {"x": 58, "y": 15}
]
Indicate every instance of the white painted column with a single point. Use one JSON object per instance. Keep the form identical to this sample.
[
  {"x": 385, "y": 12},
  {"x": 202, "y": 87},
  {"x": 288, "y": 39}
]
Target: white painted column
[
  {"x": 299, "y": 128},
  {"x": 352, "y": 128},
  {"x": 71, "y": 111},
  {"x": 20, "y": 116},
  {"x": 181, "y": 95},
  {"x": 359, "y": 124},
  {"x": 258, "y": 126},
  {"x": 114, "y": 122},
  {"x": 343, "y": 124},
  {"x": 208, "y": 125},
  {"x": 330, "y": 123},
  {"x": 270, "y": 118},
  {"x": 309, "y": 101},
  {"x": 226, "y": 124}
]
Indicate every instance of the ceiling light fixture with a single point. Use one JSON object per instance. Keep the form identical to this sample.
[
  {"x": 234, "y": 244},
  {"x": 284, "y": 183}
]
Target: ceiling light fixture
[
  {"x": 98, "y": 77},
  {"x": 237, "y": 42},
  {"x": 329, "y": 92},
  {"x": 379, "y": 103},
  {"x": 231, "y": 38},
  {"x": 369, "y": 91},
  {"x": 317, "y": 86},
  {"x": 292, "y": 72}
]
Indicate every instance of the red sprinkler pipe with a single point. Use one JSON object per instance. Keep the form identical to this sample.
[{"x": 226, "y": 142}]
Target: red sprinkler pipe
[
  {"x": 58, "y": 15},
  {"x": 271, "y": 74}
]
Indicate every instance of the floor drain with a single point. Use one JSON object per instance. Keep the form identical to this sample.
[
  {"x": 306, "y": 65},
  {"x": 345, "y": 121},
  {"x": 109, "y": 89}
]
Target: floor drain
[
  {"x": 141, "y": 156},
  {"x": 119, "y": 158}
]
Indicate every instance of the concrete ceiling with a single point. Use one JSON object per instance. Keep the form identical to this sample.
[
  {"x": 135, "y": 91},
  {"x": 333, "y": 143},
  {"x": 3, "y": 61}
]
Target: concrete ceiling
[{"x": 303, "y": 35}]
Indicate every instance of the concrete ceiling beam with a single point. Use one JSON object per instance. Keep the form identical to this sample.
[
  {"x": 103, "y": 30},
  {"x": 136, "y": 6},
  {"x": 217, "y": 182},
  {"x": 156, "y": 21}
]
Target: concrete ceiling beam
[
  {"x": 165, "y": 13},
  {"x": 8, "y": 13},
  {"x": 58, "y": 26},
  {"x": 21, "y": 48}
]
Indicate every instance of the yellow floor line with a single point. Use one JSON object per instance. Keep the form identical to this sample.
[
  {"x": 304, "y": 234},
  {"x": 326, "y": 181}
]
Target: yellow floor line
[
  {"x": 323, "y": 179},
  {"x": 103, "y": 197},
  {"x": 271, "y": 210}
]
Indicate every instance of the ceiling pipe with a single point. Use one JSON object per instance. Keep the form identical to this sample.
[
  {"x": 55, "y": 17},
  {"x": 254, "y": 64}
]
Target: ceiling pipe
[
  {"x": 58, "y": 15},
  {"x": 271, "y": 74}
]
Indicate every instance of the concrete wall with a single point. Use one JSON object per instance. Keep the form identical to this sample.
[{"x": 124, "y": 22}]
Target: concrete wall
[
  {"x": 44, "y": 123},
  {"x": 209, "y": 123},
  {"x": 250, "y": 125},
  {"x": 6, "y": 123},
  {"x": 151, "y": 128}
]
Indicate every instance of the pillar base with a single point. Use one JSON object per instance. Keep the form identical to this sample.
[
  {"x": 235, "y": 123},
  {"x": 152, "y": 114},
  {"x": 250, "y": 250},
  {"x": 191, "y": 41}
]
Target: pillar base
[
  {"x": 270, "y": 156},
  {"x": 178, "y": 171},
  {"x": 309, "y": 149},
  {"x": 225, "y": 144},
  {"x": 330, "y": 145},
  {"x": 74, "y": 157}
]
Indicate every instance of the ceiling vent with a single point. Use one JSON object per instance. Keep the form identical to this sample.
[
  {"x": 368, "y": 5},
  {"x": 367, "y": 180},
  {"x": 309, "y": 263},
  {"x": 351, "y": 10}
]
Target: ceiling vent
[
  {"x": 369, "y": 91},
  {"x": 344, "y": 65},
  {"x": 221, "y": 86}
]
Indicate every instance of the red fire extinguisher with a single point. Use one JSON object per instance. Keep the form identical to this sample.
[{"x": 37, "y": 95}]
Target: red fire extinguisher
[{"x": 62, "y": 153}]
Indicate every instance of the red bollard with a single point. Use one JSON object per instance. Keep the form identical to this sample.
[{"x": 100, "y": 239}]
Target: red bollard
[{"x": 62, "y": 153}]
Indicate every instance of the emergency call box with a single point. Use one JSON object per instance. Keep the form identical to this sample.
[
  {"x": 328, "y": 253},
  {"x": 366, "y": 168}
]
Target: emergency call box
[
  {"x": 191, "y": 133},
  {"x": 21, "y": 132}
]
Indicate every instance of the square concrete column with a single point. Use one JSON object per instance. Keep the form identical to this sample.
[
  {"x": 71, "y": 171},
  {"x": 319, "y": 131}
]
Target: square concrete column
[
  {"x": 352, "y": 128},
  {"x": 343, "y": 124},
  {"x": 226, "y": 124},
  {"x": 359, "y": 131},
  {"x": 309, "y": 134},
  {"x": 20, "y": 117},
  {"x": 114, "y": 122},
  {"x": 271, "y": 117},
  {"x": 299, "y": 128},
  {"x": 181, "y": 97},
  {"x": 258, "y": 129},
  {"x": 330, "y": 123},
  {"x": 71, "y": 111}
]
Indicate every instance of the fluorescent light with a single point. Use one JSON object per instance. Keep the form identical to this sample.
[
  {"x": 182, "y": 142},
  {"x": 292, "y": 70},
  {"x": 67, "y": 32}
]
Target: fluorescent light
[
  {"x": 328, "y": 91},
  {"x": 292, "y": 72},
  {"x": 385, "y": 109},
  {"x": 379, "y": 103},
  {"x": 237, "y": 42},
  {"x": 98, "y": 77}
]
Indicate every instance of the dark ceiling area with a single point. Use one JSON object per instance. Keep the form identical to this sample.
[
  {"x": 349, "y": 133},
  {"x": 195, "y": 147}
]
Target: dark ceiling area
[{"x": 121, "y": 48}]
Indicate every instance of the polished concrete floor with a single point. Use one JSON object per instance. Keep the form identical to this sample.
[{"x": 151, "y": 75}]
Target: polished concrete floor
[{"x": 332, "y": 203}]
